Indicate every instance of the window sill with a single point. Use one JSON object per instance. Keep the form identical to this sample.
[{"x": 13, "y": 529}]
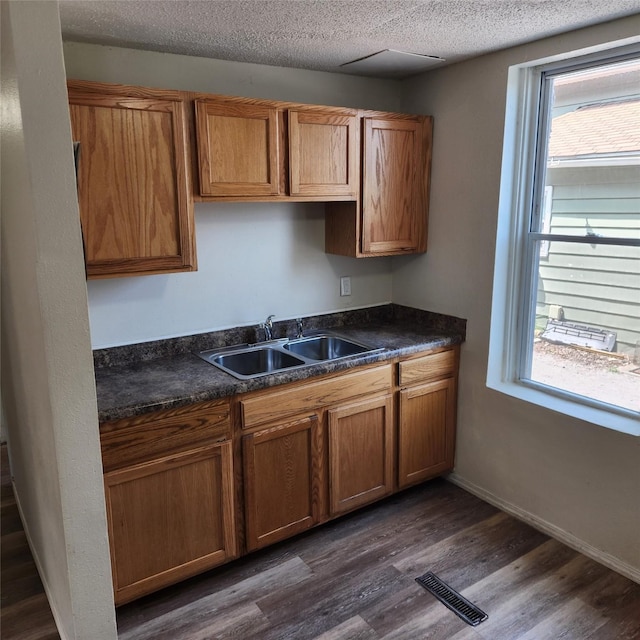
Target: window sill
[{"x": 623, "y": 423}]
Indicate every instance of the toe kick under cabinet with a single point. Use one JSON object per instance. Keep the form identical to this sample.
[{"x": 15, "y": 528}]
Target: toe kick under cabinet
[{"x": 191, "y": 488}]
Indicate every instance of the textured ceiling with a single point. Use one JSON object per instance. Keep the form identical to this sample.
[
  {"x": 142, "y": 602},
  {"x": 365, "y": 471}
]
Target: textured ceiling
[{"x": 324, "y": 34}]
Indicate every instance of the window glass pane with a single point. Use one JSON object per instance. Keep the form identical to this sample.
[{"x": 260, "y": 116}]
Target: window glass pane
[
  {"x": 592, "y": 178},
  {"x": 586, "y": 338}
]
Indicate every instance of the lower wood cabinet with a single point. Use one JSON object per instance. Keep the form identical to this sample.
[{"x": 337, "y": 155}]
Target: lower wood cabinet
[
  {"x": 361, "y": 453},
  {"x": 282, "y": 481},
  {"x": 304, "y": 453},
  {"x": 169, "y": 489},
  {"x": 170, "y": 519},
  {"x": 427, "y": 418},
  {"x": 426, "y": 431}
]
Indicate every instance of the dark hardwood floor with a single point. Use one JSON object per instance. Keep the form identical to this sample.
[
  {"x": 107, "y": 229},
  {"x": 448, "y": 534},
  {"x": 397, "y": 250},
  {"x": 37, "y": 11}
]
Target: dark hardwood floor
[
  {"x": 24, "y": 612},
  {"x": 354, "y": 579}
]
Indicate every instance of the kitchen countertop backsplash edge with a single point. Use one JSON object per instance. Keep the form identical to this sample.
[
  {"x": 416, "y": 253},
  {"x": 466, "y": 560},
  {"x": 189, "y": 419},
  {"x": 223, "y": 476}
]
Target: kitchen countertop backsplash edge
[{"x": 383, "y": 314}]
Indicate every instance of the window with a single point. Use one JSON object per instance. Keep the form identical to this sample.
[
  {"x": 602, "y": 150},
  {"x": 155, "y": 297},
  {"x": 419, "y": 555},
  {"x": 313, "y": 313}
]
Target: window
[{"x": 566, "y": 312}]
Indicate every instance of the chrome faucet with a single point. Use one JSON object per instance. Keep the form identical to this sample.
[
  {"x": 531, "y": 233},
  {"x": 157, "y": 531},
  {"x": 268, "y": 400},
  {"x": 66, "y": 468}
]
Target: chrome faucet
[
  {"x": 267, "y": 325},
  {"x": 299, "y": 328}
]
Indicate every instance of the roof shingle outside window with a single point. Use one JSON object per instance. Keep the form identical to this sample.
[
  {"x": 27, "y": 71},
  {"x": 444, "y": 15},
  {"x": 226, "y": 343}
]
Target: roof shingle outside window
[{"x": 608, "y": 128}]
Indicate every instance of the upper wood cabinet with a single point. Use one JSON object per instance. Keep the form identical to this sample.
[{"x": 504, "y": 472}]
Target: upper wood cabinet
[
  {"x": 134, "y": 189},
  {"x": 264, "y": 150},
  {"x": 391, "y": 215},
  {"x": 372, "y": 168},
  {"x": 393, "y": 186},
  {"x": 323, "y": 153},
  {"x": 238, "y": 148}
]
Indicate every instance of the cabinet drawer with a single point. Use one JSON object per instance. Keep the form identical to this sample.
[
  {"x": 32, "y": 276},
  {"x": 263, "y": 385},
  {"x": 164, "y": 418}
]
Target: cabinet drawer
[
  {"x": 311, "y": 396},
  {"x": 429, "y": 367},
  {"x": 133, "y": 440}
]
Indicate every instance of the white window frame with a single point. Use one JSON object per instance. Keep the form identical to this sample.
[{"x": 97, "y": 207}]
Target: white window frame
[{"x": 510, "y": 321}]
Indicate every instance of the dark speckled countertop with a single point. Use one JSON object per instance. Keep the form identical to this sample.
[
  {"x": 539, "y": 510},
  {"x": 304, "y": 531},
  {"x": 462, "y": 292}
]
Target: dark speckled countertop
[{"x": 163, "y": 374}]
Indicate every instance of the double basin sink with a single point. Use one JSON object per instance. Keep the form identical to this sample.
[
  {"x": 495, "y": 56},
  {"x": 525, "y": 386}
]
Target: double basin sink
[{"x": 249, "y": 361}]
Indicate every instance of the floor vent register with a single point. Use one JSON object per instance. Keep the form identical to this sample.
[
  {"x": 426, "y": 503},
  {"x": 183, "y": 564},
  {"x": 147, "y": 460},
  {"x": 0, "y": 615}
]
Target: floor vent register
[{"x": 452, "y": 599}]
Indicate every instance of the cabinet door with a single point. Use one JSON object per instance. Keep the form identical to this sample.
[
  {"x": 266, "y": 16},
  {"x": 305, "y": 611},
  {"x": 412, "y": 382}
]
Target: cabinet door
[
  {"x": 170, "y": 519},
  {"x": 238, "y": 149},
  {"x": 426, "y": 435},
  {"x": 323, "y": 154},
  {"x": 133, "y": 188},
  {"x": 394, "y": 214},
  {"x": 360, "y": 453},
  {"x": 282, "y": 481}
]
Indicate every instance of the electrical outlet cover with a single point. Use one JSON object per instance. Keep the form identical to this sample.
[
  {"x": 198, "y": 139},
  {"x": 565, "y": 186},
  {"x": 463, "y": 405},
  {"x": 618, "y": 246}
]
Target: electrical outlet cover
[{"x": 345, "y": 286}]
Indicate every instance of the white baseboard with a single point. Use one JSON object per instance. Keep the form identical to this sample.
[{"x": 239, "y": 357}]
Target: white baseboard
[
  {"x": 552, "y": 530},
  {"x": 36, "y": 559}
]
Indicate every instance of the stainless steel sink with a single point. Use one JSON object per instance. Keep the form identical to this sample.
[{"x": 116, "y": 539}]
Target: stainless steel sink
[
  {"x": 249, "y": 361},
  {"x": 325, "y": 347}
]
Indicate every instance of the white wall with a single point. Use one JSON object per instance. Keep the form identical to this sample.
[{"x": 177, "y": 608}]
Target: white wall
[
  {"x": 579, "y": 481},
  {"x": 48, "y": 392},
  {"x": 254, "y": 259}
]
